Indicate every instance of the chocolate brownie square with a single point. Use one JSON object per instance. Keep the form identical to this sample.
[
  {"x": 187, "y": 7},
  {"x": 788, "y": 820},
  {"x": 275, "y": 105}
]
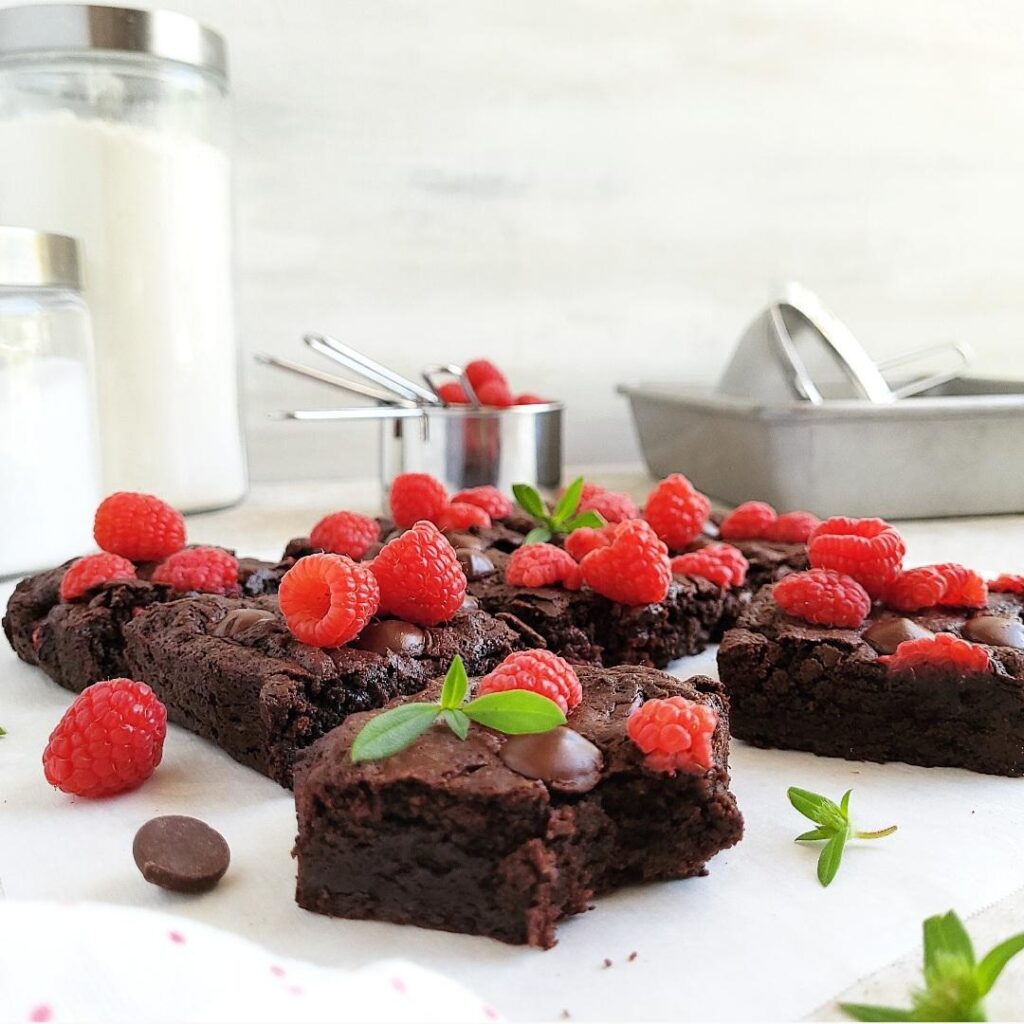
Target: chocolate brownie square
[
  {"x": 798, "y": 686},
  {"x": 503, "y": 836},
  {"x": 80, "y": 642},
  {"x": 230, "y": 671}
]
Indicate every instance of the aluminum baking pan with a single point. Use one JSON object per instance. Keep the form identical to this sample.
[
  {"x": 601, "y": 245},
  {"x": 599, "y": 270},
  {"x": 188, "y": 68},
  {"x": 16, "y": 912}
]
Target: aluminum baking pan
[{"x": 954, "y": 450}]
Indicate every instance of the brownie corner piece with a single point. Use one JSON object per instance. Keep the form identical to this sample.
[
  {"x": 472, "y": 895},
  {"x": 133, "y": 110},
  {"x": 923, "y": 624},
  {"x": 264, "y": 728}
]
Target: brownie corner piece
[
  {"x": 478, "y": 836},
  {"x": 797, "y": 686}
]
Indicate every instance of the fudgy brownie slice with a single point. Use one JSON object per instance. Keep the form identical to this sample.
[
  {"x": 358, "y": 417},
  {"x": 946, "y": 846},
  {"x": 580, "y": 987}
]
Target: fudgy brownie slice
[
  {"x": 585, "y": 626},
  {"x": 503, "y": 836},
  {"x": 799, "y": 686},
  {"x": 78, "y": 643},
  {"x": 230, "y": 671}
]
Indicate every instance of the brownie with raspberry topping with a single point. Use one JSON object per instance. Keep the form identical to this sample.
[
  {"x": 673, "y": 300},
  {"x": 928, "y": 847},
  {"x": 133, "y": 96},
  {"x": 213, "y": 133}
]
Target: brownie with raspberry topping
[
  {"x": 504, "y": 836},
  {"x": 78, "y": 643},
  {"x": 229, "y": 670},
  {"x": 798, "y": 686}
]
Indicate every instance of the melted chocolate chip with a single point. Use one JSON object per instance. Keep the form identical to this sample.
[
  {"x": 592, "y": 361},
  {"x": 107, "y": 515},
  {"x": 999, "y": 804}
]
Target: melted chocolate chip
[
  {"x": 562, "y": 758},
  {"x": 181, "y": 853},
  {"x": 995, "y": 630},
  {"x": 238, "y": 620},
  {"x": 475, "y": 564},
  {"x": 887, "y": 634},
  {"x": 372, "y": 551},
  {"x": 458, "y": 539},
  {"x": 392, "y": 637}
]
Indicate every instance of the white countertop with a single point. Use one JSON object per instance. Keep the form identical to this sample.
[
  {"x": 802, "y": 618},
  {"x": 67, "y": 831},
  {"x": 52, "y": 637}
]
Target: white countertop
[{"x": 756, "y": 939}]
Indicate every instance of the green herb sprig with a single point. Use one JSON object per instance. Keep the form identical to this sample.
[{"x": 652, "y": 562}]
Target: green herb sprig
[
  {"x": 564, "y": 518},
  {"x": 511, "y": 711},
  {"x": 954, "y": 982},
  {"x": 834, "y": 826},
  {"x": 3, "y": 731}
]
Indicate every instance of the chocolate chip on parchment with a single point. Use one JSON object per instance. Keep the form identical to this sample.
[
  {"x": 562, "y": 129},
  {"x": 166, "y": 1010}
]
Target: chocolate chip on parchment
[{"x": 180, "y": 853}]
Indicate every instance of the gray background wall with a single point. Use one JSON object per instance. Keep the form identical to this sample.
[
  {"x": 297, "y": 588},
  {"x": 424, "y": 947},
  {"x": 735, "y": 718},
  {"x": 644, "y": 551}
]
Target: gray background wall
[{"x": 598, "y": 191}]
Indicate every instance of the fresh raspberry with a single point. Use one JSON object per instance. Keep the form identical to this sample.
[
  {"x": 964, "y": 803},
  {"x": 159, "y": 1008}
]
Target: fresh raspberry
[
  {"x": 1007, "y": 583},
  {"x": 824, "y": 597},
  {"x": 633, "y": 569},
  {"x": 452, "y": 393},
  {"x": 420, "y": 577},
  {"x": 674, "y": 734},
  {"x": 964, "y": 587},
  {"x": 792, "y": 527},
  {"x": 869, "y": 550},
  {"x": 943, "y": 649},
  {"x": 495, "y": 393},
  {"x": 611, "y": 506},
  {"x": 416, "y": 496},
  {"x": 490, "y": 499},
  {"x": 481, "y": 371},
  {"x": 749, "y": 521},
  {"x": 85, "y": 574},
  {"x": 138, "y": 526},
  {"x": 345, "y": 533},
  {"x": 526, "y": 398},
  {"x": 721, "y": 563},
  {"x": 581, "y": 542},
  {"x": 327, "y": 600},
  {"x": 208, "y": 570},
  {"x": 461, "y": 515},
  {"x": 539, "y": 672},
  {"x": 110, "y": 740},
  {"x": 539, "y": 565},
  {"x": 677, "y": 511},
  {"x": 914, "y": 589}
]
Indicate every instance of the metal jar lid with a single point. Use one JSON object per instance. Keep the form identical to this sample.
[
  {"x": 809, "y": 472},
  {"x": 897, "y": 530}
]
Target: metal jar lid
[
  {"x": 35, "y": 259},
  {"x": 54, "y": 28}
]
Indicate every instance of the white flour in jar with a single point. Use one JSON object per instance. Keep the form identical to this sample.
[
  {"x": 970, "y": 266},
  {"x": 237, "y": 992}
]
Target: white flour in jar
[
  {"x": 49, "y": 462},
  {"x": 153, "y": 214}
]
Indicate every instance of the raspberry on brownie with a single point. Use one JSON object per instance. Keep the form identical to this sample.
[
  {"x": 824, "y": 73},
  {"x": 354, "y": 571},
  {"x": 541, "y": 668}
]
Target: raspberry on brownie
[{"x": 521, "y": 830}]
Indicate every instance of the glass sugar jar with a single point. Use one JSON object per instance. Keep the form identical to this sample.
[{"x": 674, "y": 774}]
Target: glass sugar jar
[
  {"x": 114, "y": 129},
  {"x": 49, "y": 448}
]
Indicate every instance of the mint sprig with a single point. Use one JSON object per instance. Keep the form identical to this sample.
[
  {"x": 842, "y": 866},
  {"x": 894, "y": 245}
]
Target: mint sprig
[
  {"x": 512, "y": 711},
  {"x": 834, "y": 827},
  {"x": 954, "y": 982},
  {"x": 3, "y": 731},
  {"x": 563, "y": 519}
]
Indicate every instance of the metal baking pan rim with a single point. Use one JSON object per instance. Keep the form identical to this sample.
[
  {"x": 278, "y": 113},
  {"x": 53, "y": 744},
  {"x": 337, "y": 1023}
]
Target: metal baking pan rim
[{"x": 838, "y": 410}]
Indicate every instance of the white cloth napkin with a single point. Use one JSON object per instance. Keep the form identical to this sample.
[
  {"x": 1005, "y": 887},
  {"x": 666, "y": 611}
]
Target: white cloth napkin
[{"x": 91, "y": 962}]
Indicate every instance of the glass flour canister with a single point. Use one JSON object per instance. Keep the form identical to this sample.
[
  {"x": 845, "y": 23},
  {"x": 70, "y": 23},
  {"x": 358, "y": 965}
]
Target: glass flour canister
[
  {"x": 49, "y": 449},
  {"x": 114, "y": 130}
]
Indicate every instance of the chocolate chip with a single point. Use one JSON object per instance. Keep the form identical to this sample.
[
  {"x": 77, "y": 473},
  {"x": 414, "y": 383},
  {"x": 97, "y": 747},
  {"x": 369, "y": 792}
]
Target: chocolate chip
[
  {"x": 995, "y": 630},
  {"x": 458, "y": 539},
  {"x": 475, "y": 564},
  {"x": 372, "y": 551},
  {"x": 887, "y": 634},
  {"x": 238, "y": 620},
  {"x": 180, "y": 853},
  {"x": 561, "y": 757},
  {"x": 392, "y": 636}
]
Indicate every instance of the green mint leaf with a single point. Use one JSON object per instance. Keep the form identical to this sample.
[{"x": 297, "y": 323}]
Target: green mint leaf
[
  {"x": 589, "y": 518},
  {"x": 515, "y": 712},
  {"x": 995, "y": 960},
  {"x": 945, "y": 942},
  {"x": 815, "y": 833},
  {"x": 457, "y": 721},
  {"x": 538, "y": 535},
  {"x": 858, "y": 1011},
  {"x": 816, "y": 807},
  {"x": 530, "y": 501},
  {"x": 393, "y": 731},
  {"x": 456, "y": 685},
  {"x": 844, "y": 804},
  {"x": 3, "y": 731},
  {"x": 568, "y": 502},
  {"x": 831, "y": 857}
]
